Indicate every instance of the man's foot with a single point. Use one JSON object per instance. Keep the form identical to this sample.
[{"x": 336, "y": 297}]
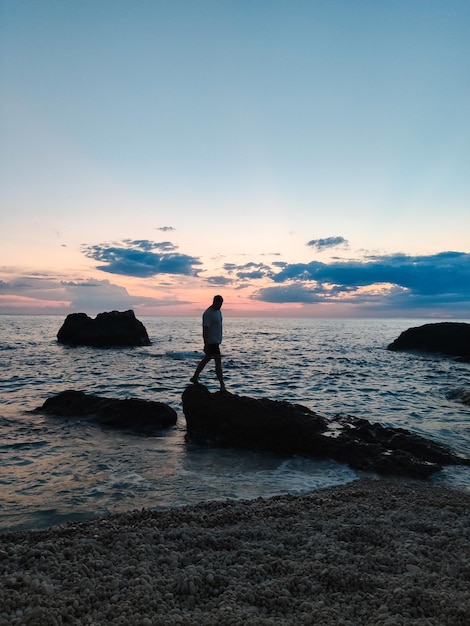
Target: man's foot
[
  {"x": 194, "y": 380},
  {"x": 222, "y": 388}
]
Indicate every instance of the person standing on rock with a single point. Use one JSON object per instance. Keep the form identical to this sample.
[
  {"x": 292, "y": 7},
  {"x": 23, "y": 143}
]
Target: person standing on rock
[{"x": 212, "y": 335}]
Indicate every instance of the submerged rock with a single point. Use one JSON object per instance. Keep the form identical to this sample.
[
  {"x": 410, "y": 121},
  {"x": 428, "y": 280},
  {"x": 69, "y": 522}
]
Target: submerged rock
[
  {"x": 129, "y": 413},
  {"x": 227, "y": 420},
  {"x": 461, "y": 395},
  {"x": 452, "y": 338},
  {"x": 116, "y": 328}
]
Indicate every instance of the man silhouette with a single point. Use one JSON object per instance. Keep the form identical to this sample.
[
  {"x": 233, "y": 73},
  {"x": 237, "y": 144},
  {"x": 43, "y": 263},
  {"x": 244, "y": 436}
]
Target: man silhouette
[{"x": 212, "y": 335}]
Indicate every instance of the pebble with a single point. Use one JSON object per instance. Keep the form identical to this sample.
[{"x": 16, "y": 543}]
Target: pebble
[{"x": 360, "y": 554}]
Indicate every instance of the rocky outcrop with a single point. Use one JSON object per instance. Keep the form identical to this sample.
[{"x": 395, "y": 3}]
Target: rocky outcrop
[
  {"x": 116, "y": 328},
  {"x": 452, "y": 338},
  {"x": 227, "y": 420},
  {"x": 460, "y": 395},
  {"x": 133, "y": 414}
]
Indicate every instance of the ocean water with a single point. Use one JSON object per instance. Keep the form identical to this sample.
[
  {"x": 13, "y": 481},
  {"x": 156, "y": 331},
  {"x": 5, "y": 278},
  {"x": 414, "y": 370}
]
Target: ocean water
[{"x": 53, "y": 471}]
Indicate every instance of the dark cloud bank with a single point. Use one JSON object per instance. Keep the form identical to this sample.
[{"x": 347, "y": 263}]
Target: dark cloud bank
[
  {"x": 397, "y": 281},
  {"x": 402, "y": 281}
]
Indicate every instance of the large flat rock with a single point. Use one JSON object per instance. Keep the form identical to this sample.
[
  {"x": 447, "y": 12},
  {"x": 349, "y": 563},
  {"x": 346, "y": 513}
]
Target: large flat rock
[{"x": 227, "y": 420}]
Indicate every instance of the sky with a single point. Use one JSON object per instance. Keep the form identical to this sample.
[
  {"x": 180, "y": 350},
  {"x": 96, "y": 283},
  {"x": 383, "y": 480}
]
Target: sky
[{"x": 302, "y": 158}]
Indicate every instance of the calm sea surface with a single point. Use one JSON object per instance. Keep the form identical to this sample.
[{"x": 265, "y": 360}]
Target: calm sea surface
[{"x": 55, "y": 471}]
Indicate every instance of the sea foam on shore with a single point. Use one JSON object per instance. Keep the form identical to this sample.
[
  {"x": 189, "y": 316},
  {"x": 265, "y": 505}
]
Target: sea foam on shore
[{"x": 371, "y": 552}]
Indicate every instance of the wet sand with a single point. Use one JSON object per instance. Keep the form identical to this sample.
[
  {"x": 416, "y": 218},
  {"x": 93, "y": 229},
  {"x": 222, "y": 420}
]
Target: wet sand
[{"x": 372, "y": 552}]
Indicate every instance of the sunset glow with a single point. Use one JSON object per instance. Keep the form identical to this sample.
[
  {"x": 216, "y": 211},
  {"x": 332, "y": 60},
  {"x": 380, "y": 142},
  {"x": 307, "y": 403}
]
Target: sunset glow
[{"x": 303, "y": 159}]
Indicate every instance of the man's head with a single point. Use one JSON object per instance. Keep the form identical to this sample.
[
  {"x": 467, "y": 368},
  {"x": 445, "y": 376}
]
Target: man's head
[{"x": 217, "y": 302}]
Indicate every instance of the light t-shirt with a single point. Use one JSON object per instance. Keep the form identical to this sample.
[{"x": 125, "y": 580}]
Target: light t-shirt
[{"x": 212, "y": 320}]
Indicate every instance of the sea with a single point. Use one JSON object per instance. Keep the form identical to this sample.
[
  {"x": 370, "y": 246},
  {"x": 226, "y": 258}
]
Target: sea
[{"x": 55, "y": 471}]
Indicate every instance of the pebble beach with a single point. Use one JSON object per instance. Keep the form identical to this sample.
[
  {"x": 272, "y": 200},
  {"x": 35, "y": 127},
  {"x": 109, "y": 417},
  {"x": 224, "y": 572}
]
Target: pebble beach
[{"x": 372, "y": 552}]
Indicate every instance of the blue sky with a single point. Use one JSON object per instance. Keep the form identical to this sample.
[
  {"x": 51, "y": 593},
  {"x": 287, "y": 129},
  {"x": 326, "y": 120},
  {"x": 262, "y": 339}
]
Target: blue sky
[{"x": 301, "y": 157}]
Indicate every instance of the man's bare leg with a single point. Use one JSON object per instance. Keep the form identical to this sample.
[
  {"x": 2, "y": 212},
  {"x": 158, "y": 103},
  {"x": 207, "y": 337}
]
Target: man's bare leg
[
  {"x": 218, "y": 371},
  {"x": 201, "y": 365}
]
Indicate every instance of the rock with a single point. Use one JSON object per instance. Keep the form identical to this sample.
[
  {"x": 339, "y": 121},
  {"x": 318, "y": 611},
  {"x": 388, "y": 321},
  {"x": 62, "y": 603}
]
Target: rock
[
  {"x": 227, "y": 420},
  {"x": 129, "y": 413},
  {"x": 117, "y": 328},
  {"x": 461, "y": 395},
  {"x": 452, "y": 338}
]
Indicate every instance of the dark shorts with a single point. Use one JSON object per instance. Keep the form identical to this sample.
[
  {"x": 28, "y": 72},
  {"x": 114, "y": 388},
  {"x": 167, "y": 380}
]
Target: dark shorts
[{"x": 211, "y": 349}]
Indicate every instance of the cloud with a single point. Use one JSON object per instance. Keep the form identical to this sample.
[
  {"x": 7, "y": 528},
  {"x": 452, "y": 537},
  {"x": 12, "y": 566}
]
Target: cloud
[
  {"x": 425, "y": 274},
  {"x": 60, "y": 296},
  {"x": 328, "y": 242},
  {"x": 248, "y": 271},
  {"x": 255, "y": 275},
  {"x": 41, "y": 287},
  {"x": 289, "y": 293},
  {"x": 148, "y": 246},
  {"x": 142, "y": 258},
  {"x": 99, "y": 295},
  {"x": 166, "y": 229},
  {"x": 374, "y": 284},
  {"x": 219, "y": 280},
  {"x": 401, "y": 280}
]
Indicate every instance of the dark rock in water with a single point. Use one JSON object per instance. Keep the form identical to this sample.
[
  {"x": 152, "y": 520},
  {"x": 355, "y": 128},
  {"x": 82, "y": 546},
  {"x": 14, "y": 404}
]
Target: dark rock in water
[
  {"x": 116, "y": 328},
  {"x": 226, "y": 420},
  {"x": 129, "y": 414},
  {"x": 461, "y": 395},
  {"x": 452, "y": 338}
]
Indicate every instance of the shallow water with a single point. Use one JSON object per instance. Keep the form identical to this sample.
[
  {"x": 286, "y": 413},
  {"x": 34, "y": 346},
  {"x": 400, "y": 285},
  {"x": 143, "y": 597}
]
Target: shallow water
[{"x": 54, "y": 471}]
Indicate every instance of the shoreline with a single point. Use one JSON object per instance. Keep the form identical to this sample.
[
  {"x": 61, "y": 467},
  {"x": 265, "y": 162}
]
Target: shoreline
[{"x": 373, "y": 551}]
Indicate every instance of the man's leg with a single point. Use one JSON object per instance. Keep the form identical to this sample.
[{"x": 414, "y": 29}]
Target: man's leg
[
  {"x": 202, "y": 364},
  {"x": 218, "y": 371}
]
